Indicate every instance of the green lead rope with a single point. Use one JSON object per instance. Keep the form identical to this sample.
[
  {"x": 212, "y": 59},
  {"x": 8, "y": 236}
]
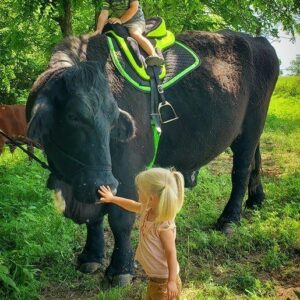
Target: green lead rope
[{"x": 156, "y": 137}]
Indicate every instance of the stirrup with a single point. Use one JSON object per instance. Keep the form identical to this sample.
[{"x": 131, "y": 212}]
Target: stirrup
[{"x": 166, "y": 112}]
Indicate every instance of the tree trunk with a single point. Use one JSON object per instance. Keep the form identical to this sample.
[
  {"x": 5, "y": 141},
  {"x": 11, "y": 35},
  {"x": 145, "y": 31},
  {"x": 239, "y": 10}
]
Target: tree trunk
[
  {"x": 258, "y": 30},
  {"x": 97, "y": 12},
  {"x": 65, "y": 21}
]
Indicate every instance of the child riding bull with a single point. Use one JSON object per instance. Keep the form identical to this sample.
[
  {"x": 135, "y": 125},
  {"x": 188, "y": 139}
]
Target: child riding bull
[{"x": 129, "y": 13}]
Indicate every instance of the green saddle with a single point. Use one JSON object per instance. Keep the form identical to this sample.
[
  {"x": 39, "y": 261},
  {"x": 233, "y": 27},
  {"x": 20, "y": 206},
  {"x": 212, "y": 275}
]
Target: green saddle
[
  {"x": 157, "y": 32},
  {"x": 127, "y": 57}
]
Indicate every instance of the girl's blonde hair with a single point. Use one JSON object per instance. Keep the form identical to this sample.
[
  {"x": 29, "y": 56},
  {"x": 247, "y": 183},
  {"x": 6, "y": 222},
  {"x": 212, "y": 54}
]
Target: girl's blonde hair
[{"x": 168, "y": 186}]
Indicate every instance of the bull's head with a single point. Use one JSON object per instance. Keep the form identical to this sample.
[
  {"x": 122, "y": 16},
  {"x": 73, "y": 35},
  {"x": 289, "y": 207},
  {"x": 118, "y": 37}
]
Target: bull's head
[{"x": 75, "y": 117}]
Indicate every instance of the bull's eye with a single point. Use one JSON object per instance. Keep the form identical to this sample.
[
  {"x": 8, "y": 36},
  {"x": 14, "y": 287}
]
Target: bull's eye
[{"x": 72, "y": 117}]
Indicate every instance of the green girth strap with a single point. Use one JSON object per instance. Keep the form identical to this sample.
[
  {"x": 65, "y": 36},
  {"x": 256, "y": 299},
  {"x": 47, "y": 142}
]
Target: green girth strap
[{"x": 156, "y": 138}]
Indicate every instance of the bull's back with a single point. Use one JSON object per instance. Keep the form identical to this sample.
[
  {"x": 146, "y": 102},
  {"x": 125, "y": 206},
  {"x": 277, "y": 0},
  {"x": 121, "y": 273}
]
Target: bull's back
[
  {"x": 224, "y": 76},
  {"x": 218, "y": 93},
  {"x": 234, "y": 73},
  {"x": 229, "y": 59}
]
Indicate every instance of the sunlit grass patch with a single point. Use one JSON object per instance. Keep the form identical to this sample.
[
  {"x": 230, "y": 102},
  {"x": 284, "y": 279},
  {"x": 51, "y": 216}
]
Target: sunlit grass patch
[{"x": 288, "y": 87}]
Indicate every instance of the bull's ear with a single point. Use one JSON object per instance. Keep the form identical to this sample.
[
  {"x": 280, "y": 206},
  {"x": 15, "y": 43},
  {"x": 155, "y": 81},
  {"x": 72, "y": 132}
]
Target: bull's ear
[
  {"x": 41, "y": 119},
  {"x": 125, "y": 128}
]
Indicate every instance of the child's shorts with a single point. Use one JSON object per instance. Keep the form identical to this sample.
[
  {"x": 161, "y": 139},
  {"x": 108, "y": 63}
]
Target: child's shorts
[
  {"x": 157, "y": 289},
  {"x": 140, "y": 26}
]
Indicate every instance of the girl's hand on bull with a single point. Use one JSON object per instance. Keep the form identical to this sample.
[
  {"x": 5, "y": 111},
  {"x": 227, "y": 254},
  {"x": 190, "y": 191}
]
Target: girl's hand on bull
[{"x": 106, "y": 194}]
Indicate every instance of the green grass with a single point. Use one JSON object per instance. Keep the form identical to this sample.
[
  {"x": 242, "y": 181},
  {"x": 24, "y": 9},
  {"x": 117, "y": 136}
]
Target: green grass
[{"x": 39, "y": 247}]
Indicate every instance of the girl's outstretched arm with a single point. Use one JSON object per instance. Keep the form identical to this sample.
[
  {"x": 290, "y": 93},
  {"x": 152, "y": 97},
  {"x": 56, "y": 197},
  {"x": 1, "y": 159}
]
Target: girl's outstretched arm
[
  {"x": 167, "y": 238},
  {"x": 108, "y": 197}
]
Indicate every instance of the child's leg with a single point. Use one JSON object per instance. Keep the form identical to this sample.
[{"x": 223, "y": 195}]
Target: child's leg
[
  {"x": 153, "y": 59},
  {"x": 142, "y": 41},
  {"x": 157, "y": 289}
]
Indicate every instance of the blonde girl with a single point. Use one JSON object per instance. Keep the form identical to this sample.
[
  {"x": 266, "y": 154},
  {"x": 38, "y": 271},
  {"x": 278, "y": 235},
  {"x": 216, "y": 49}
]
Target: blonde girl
[{"x": 161, "y": 194}]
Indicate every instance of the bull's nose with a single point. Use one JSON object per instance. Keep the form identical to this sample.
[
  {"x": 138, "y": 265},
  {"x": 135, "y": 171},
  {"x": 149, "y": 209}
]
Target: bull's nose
[
  {"x": 114, "y": 191},
  {"x": 86, "y": 185}
]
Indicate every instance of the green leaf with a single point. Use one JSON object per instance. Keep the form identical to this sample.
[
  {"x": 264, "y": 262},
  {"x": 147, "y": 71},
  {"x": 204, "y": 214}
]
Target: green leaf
[{"x": 6, "y": 279}]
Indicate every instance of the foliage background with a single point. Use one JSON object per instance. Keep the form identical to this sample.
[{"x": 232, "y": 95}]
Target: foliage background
[{"x": 30, "y": 29}]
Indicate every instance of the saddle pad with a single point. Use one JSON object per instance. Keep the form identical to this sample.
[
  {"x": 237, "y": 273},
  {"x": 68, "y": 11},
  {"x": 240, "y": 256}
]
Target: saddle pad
[{"x": 179, "y": 60}]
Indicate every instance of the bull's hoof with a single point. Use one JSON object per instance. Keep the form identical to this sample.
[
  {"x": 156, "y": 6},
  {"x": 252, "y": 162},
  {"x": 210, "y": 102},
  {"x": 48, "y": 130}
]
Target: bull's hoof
[
  {"x": 89, "y": 267},
  {"x": 255, "y": 201},
  {"x": 119, "y": 280},
  {"x": 254, "y": 205},
  {"x": 225, "y": 227},
  {"x": 122, "y": 280}
]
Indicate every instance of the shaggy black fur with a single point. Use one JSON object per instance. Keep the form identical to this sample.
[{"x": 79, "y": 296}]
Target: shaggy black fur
[{"x": 222, "y": 104}]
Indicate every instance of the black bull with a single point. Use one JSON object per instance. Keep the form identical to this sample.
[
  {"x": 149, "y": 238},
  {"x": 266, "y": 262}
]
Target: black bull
[{"x": 95, "y": 128}]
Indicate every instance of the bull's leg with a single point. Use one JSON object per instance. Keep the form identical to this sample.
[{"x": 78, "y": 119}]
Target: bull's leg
[
  {"x": 121, "y": 265},
  {"x": 243, "y": 152},
  {"x": 256, "y": 193},
  {"x": 89, "y": 261},
  {"x": 190, "y": 178}
]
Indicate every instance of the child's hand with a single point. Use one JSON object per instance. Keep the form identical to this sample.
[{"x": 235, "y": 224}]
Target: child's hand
[
  {"x": 95, "y": 33},
  {"x": 106, "y": 195},
  {"x": 172, "y": 290},
  {"x": 114, "y": 21}
]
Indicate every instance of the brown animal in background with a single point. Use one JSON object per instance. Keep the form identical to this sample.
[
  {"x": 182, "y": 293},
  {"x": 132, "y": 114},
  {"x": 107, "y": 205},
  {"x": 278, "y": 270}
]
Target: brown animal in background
[{"x": 13, "y": 123}]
